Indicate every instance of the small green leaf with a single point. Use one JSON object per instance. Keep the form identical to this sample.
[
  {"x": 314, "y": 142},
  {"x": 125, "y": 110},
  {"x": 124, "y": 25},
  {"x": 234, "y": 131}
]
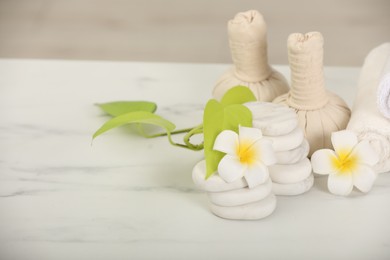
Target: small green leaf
[
  {"x": 212, "y": 126},
  {"x": 123, "y": 107},
  {"x": 217, "y": 118},
  {"x": 135, "y": 117},
  {"x": 237, "y": 115},
  {"x": 226, "y": 115},
  {"x": 238, "y": 95}
]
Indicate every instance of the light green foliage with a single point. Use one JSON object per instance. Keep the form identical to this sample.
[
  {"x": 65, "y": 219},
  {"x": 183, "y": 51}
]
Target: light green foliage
[
  {"x": 225, "y": 115},
  {"x": 140, "y": 113},
  {"x": 135, "y": 117},
  {"x": 123, "y": 107},
  {"x": 218, "y": 116},
  {"x": 238, "y": 95}
]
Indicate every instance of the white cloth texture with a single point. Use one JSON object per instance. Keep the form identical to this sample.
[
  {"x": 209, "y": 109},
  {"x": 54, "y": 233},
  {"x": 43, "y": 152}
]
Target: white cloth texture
[
  {"x": 248, "y": 45},
  {"x": 366, "y": 120},
  {"x": 383, "y": 98}
]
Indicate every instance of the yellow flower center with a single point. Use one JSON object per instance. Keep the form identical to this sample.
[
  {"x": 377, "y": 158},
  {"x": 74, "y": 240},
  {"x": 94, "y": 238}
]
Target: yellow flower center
[
  {"x": 246, "y": 152},
  {"x": 345, "y": 162}
]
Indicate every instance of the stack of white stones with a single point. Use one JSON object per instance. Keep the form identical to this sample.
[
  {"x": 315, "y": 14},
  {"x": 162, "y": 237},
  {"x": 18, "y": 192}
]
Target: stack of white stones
[
  {"x": 235, "y": 200},
  {"x": 292, "y": 174}
]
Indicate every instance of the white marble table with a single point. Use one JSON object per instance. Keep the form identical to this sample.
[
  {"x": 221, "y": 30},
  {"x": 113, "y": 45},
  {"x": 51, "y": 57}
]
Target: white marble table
[{"x": 126, "y": 197}]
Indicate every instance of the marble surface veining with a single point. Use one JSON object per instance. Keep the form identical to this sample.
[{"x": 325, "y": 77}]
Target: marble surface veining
[{"x": 126, "y": 197}]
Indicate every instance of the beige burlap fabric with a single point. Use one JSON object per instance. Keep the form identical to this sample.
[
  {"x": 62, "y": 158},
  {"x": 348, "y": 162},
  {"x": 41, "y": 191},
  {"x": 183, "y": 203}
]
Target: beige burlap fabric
[
  {"x": 248, "y": 46},
  {"x": 320, "y": 112}
]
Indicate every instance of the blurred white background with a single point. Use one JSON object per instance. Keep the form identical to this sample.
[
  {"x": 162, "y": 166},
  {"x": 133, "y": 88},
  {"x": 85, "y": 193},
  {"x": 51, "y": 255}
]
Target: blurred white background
[{"x": 183, "y": 31}]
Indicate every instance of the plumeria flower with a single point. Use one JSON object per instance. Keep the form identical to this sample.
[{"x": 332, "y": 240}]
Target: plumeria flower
[
  {"x": 247, "y": 155},
  {"x": 349, "y": 165}
]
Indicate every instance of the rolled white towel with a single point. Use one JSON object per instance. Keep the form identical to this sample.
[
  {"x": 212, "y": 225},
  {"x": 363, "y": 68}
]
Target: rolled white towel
[
  {"x": 366, "y": 120},
  {"x": 383, "y": 98}
]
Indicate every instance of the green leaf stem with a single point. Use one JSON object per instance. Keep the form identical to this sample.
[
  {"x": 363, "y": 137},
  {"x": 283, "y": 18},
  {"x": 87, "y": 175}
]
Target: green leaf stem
[{"x": 228, "y": 114}]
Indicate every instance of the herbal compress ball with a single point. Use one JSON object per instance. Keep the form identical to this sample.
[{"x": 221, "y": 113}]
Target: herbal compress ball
[
  {"x": 248, "y": 46},
  {"x": 319, "y": 111}
]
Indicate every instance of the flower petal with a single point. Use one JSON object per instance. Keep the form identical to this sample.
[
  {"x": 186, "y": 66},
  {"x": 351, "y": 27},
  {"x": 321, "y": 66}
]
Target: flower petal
[
  {"x": 364, "y": 177},
  {"x": 230, "y": 168},
  {"x": 264, "y": 152},
  {"x": 256, "y": 174},
  {"x": 321, "y": 161},
  {"x": 226, "y": 142},
  {"x": 344, "y": 141},
  {"x": 340, "y": 184},
  {"x": 365, "y": 153},
  {"x": 249, "y": 134}
]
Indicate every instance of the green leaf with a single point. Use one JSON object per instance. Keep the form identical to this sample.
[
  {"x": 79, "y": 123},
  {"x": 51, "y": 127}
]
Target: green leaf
[
  {"x": 235, "y": 116},
  {"x": 216, "y": 118},
  {"x": 238, "y": 95},
  {"x": 123, "y": 107},
  {"x": 226, "y": 115},
  {"x": 135, "y": 117},
  {"x": 212, "y": 126}
]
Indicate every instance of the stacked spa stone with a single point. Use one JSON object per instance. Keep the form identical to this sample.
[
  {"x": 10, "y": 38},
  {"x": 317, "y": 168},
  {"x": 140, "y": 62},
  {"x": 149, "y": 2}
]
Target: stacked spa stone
[
  {"x": 235, "y": 200},
  {"x": 292, "y": 174}
]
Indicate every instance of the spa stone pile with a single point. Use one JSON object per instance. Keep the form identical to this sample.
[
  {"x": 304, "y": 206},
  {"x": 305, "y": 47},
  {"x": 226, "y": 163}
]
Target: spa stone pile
[
  {"x": 235, "y": 200},
  {"x": 292, "y": 174}
]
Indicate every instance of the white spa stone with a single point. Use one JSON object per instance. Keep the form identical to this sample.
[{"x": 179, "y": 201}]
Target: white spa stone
[
  {"x": 214, "y": 183},
  {"x": 287, "y": 142},
  {"x": 294, "y": 155},
  {"x": 290, "y": 173},
  {"x": 273, "y": 119},
  {"x": 241, "y": 196},
  {"x": 293, "y": 188},
  {"x": 251, "y": 211}
]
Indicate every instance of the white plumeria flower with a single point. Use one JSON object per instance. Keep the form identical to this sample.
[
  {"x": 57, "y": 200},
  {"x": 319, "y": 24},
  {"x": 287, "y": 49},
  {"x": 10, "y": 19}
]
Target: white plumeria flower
[
  {"x": 247, "y": 155},
  {"x": 349, "y": 165}
]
